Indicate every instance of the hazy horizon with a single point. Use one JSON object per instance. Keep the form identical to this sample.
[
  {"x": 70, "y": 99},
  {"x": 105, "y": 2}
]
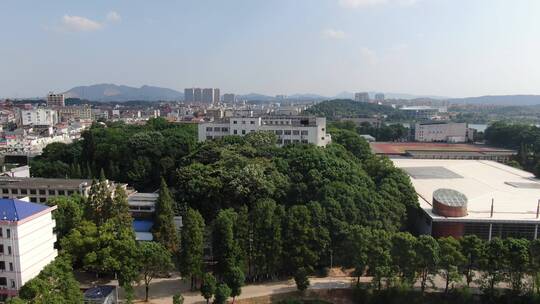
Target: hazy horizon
[{"x": 450, "y": 48}]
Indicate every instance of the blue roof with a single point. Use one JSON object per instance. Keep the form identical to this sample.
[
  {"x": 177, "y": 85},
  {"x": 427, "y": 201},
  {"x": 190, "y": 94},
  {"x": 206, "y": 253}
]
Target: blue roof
[
  {"x": 142, "y": 225},
  {"x": 16, "y": 210}
]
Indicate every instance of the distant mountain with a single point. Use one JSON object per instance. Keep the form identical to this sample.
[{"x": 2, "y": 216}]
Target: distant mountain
[
  {"x": 112, "y": 92},
  {"x": 500, "y": 100}
]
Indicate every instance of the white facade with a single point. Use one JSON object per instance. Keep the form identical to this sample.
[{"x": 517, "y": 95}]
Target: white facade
[
  {"x": 39, "y": 117},
  {"x": 442, "y": 132},
  {"x": 26, "y": 247},
  {"x": 288, "y": 129}
]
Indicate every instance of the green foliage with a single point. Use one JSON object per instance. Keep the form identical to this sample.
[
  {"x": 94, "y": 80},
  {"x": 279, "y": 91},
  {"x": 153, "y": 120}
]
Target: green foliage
[
  {"x": 191, "y": 252},
  {"x": 473, "y": 249},
  {"x": 54, "y": 284},
  {"x": 301, "y": 279},
  {"x": 224, "y": 246},
  {"x": 223, "y": 292},
  {"x": 299, "y": 240},
  {"x": 234, "y": 278},
  {"x": 404, "y": 256},
  {"x": 334, "y": 109},
  {"x": 267, "y": 238},
  {"x": 178, "y": 299},
  {"x": 164, "y": 229},
  {"x": 451, "y": 260},
  {"x": 427, "y": 258},
  {"x": 154, "y": 260},
  {"x": 68, "y": 215},
  {"x": 208, "y": 286}
]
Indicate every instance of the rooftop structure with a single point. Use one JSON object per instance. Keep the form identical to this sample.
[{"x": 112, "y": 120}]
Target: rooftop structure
[
  {"x": 439, "y": 131},
  {"x": 441, "y": 151},
  {"x": 104, "y": 294},
  {"x": 485, "y": 198},
  {"x": 288, "y": 129},
  {"x": 26, "y": 243}
]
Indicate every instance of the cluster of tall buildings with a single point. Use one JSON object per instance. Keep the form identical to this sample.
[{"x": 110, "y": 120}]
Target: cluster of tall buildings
[
  {"x": 198, "y": 95},
  {"x": 364, "y": 97}
]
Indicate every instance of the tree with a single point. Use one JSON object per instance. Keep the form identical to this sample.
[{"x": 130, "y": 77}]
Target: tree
[
  {"x": 404, "y": 251},
  {"x": 267, "y": 238},
  {"x": 225, "y": 248},
  {"x": 534, "y": 252},
  {"x": 155, "y": 260},
  {"x": 301, "y": 279},
  {"x": 54, "y": 284},
  {"x": 95, "y": 205},
  {"x": 235, "y": 280},
  {"x": 493, "y": 265},
  {"x": 427, "y": 258},
  {"x": 164, "y": 230},
  {"x": 357, "y": 250},
  {"x": 208, "y": 286},
  {"x": 68, "y": 215},
  {"x": 192, "y": 250},
  {"x": 472, "y": 248},
  {"x": 223, "y": 292},
  {"x": 518, "y": 260},
  {"x": 178, "y": 299},
  {"x": 116, "y": 207},
  {"x": 451, "y": 260},
  {"x": 379, "y": 259},
  {"x": 243, "y": 236},
  {"x": 299, "y": 237}
]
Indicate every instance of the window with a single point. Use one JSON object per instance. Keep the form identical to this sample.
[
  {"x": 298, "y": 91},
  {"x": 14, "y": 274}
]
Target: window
[
  {"x": 5, "y": 191},
  {"x": 52, "y": 192},
  {"x": 33, "y": 191},
  {"x": 304, "y": 141},
  {"x": 304, "y": 132},
  {"x": 70, "y": 192},
  {"x": 12, "y": 283},
  {"x": 235, "y": 122},
  {"x": 243, "y": 132},
  {"x": 42, "y": 192},
  {"x": 61, "y": 192},
  {"x": 9, "y": 250},
  {"x": 243, "y": 122},
  {"x": 296, "y": 132},
  {"x": 235, "y": 132},
  {"x": 287, "y": 132},
  {"x": 287, "y": 141},
  {"x": 296, "y": 141},
  {"x": 322, "y": 138},
  {"x": 8, "y": 233},
  {"x": 24, "y": 191},
  {"x": 3, "y": 281},
  {"x": 1, "y": 232},
  {"x": 224, "y": 129},
  {"x": 2, "y": 265},
  {"x": 42, "y": 200},
  {"x": 279, "y": 141},
  {"x": 1, "y": 249},
  {"x": 279, "y": 132},
  {"x": 217, "y": 129},
  {"x": 251, "y": 131},
  {"x": 252, "y": 122},
  {"x": 10, "y": 266},
  {"x": 208, "y": 129},
  {"x": 14, "y": 191}
]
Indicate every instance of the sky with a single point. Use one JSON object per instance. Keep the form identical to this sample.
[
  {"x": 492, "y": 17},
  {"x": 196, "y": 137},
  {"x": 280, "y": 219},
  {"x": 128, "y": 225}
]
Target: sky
[{"x": 452, "y": 48}]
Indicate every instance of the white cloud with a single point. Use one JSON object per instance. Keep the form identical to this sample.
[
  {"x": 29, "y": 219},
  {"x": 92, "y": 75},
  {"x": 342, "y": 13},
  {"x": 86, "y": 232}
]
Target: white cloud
[
  {"x": 333, "y": 34},
  {"x": 368, "y": 56},
  {"x": 367, "y": 3},
  {"x": 78, "y": 23},
  {"x": 113, "y": 16}
]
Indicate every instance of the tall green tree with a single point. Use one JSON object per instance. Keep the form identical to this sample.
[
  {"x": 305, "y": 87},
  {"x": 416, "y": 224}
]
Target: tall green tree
[
  {"x": 299, "y": 240},
  {"x": 451, "y": 260},
  {"x": 235, "y": 280},
  {"x": 427, "y": 258},
  {"x": 164, "y": 230},
  {"x": 534, "y": 253},
  {"x": 97, "y": 199},
  {"x": 68, "y": 215},
  {"x": 224, "y": 246},
  {"x": 192, "y": 250},
  {"x": 243, "y": 236},
  {"x": 223, "y": 292},
  {"x": 493, "y": 265},
  {"x": 267, "y": 238},
  {"x": 473, "y": 249},
  {"x": 301, "y": 279},
  {"x": 404, "y": 256},
  {"x": 154, "y": 260},
  {"x": 117, "y": 207},
  {"x": 208, "y": 286},
  {"x": 518, "y": 259}
]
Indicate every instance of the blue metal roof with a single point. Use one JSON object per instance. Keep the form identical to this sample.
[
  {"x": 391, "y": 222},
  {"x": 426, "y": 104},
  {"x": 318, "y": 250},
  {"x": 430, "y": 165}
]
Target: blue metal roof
[
  {"x": 16, "y": 210},
  {"x": 142, "y": 225},
  {"x": 98, "y": 292}
]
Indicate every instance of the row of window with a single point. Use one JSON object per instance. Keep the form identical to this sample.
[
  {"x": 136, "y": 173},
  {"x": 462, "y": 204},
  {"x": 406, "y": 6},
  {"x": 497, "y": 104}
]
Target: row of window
[
  {"x": 293, "y": 132},
  {"x": 36, "y": 191},
  {"x": 8, "y": 233},
  {"x": 3, "y": 282},
  {"x": 2, "y": 249},
  {"x": 289, "y": 141},
  {"x": 3, "y": 266},
  {"x": 252, "y": 122}
]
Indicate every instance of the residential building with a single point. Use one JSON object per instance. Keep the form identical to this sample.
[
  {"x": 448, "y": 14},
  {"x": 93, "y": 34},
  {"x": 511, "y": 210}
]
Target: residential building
[
  {"x": 26, "y": 243},
  {"x": 216, "y": 96},
  {"x": 361, "y": 97},
  {"x": 55, "y": 100},
  {"x": 421, "y": 113},
  {"x": 197, "y": 95},
  {"x": 443, "y": 132},
  {"x": 189, "y": 95},
  {"x": 474, "y": 197},
  {"x": 229, "y": 98},
  {"x": 39, "y": 117},
  {"x": 142, "y": 205},
  {"x": 72, "y": 113},
  {"x": 379, "y": 97},
  {"x": 288, "y": 129},
  {"x": 208, "y": 96}
]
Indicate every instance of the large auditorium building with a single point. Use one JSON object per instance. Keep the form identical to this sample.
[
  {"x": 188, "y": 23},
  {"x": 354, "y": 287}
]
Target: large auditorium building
[{"x": 485, "y": 198}]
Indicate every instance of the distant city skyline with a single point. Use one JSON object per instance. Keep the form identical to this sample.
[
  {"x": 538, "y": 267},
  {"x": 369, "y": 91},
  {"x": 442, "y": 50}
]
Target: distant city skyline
[{"x": 450, "y": 48}]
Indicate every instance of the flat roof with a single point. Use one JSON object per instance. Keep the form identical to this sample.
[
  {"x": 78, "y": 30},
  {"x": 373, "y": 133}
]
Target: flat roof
[
  {"x": 396, "y": 148},
  {"x": 515, "y": 192},
  {"x": 44, "y": 183}
]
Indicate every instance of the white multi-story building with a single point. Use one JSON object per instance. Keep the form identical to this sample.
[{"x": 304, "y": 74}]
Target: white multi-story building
[
  {"x": 442, "y": 132},
  {"x": 26, "y": 242},
  {"x": 361, "y": 97},
  {"x": 288, "y": 129},
  {"x": 39, "y": 117}
]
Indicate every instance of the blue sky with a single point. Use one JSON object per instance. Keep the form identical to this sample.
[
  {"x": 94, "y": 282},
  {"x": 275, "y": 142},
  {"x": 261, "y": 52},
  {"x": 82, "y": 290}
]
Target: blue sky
[{"x": 437, "y": 47}]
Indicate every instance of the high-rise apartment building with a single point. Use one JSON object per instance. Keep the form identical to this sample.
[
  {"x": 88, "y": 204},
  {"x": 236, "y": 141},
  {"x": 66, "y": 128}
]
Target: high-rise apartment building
[
  {"x": 208, "y": 96},
  {"x": 55, "y": 100},
  {"x": 39, "y": 117},
  {"x": 189, "y": 95},
  {"x": 361, "y": 97},
  {"x": 217, "y": 96},
  {"x": 197, "y": 95},
  {"x": 379, "y": 97}
]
